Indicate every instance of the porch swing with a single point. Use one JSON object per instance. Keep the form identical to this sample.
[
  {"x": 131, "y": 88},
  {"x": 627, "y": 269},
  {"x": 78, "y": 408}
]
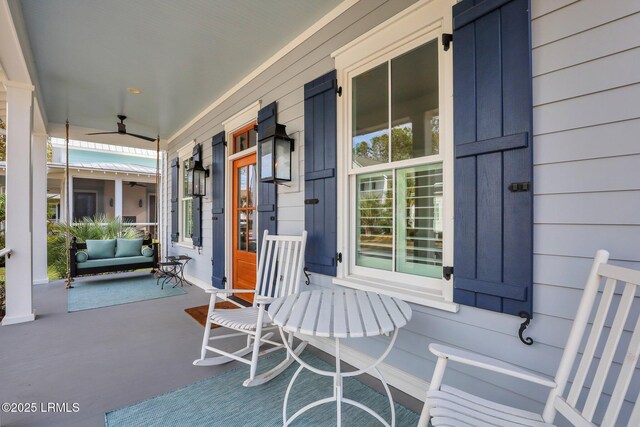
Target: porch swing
[{"x": 81, "y": 265}]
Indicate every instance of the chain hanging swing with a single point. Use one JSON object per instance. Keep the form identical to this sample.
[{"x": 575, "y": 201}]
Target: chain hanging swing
[
  {"x": 68, "y": 218},
  {"x": 67, "y": 206}
]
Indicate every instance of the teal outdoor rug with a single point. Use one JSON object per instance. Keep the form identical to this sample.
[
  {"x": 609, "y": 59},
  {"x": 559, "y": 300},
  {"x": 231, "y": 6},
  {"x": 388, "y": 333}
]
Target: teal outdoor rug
[
  {"x": 105, "y": 291},
  {"x": 222, "y": 401}
]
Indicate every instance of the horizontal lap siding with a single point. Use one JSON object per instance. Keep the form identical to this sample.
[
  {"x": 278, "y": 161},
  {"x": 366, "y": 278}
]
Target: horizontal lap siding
[
  {"x": 586, "y": 157},
  {"x": 586, "y": 83}
]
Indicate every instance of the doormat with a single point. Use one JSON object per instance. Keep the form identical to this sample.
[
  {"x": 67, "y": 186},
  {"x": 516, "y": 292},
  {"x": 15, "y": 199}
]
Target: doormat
[{"x": 200, "y": 312}]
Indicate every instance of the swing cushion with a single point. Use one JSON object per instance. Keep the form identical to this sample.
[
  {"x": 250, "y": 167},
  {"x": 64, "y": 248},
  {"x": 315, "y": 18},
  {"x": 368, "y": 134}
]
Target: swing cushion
[
  {"x": 125, "y": 262},
  {"x": 128, "y": 247},
  {"x": 81, "y": 257},
  {"x": 99, "y": 249},
  {"x": 147, "y": 251}
]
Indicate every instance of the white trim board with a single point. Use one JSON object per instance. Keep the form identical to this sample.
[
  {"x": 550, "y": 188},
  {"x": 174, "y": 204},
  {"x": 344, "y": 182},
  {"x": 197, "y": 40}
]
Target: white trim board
[
  {"x": 403, "y": 381},
  {"x": 324, "y": 21},
  {"x": 196, "y": 281}
]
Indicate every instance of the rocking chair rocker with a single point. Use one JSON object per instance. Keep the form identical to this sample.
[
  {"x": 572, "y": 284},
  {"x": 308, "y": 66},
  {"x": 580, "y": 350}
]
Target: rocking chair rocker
[
  {"x": 279, "y": 272},
  {"x": 448, "y": 406}
]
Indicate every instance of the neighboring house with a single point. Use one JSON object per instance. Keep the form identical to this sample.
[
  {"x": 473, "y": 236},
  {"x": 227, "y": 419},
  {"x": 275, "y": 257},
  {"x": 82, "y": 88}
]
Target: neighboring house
[
  {"x": 392, "y": 72},
  {"x": 104, "y": 180}
]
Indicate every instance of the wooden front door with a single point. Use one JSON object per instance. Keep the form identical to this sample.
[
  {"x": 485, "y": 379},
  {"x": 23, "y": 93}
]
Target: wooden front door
[{"x": 244, "y": 224}]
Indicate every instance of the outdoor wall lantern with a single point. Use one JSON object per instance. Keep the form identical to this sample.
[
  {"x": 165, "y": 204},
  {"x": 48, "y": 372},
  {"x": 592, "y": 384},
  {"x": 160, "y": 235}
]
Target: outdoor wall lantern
[
  {"x": 196, "y": 179},
  {"x": 275, "y": 155},
  {"x": 140, "y": 203}
]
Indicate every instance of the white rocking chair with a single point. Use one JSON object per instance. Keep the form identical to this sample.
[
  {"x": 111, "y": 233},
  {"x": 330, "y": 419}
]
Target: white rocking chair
[
  {"x": 451, "y": 407},
  {"x": 279, "y": 272}
]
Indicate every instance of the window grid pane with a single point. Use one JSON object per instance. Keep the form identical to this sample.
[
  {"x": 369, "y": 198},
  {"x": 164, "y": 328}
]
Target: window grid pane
[
  {"x": 419, "y": 220},
  {"x": 187, "y": 219},
  {"x": 370, "y": 117},
  {"x": 374, "y": 222},
  {"x": 414, "y": 103}
]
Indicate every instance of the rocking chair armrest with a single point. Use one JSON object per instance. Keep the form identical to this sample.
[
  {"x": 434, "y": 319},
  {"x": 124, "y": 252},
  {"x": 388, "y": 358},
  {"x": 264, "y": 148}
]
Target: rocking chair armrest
[
  {"x": 264, "y": 300},
  {"x": 229, "y": 291},
  {"x": 488, "y": 363}
]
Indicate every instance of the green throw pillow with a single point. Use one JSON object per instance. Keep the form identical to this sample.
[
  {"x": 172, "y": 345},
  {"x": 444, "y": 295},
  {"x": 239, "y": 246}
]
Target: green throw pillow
[
  {"x": 81, "y": 257},
  {"x": 128, "y": 247},
  {"x": 147, "y": 251},
  {"x": 99, "y": 249}
]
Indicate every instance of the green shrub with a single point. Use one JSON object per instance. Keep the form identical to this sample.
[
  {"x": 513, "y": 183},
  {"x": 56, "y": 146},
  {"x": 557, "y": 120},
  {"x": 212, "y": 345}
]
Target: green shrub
[{"x": 97, "y": 228}]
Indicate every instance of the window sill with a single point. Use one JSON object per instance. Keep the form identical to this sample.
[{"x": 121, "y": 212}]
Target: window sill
[{"x": 422, "y": 297}]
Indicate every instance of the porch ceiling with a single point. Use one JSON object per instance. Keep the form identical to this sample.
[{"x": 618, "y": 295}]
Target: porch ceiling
[{"x": 182, "y": 55}]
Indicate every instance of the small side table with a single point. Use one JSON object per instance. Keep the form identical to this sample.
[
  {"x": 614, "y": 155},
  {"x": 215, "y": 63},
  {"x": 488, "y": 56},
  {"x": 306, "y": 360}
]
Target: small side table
[
  {"x": 173, "y": 269},
  {"x": 339, "y": 313}
]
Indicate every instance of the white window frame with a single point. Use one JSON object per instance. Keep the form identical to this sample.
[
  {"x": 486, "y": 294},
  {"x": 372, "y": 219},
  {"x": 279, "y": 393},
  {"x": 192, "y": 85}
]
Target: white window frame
[
  {"x": 425, "y": 21},
  {"x": 184, "y": 153}
]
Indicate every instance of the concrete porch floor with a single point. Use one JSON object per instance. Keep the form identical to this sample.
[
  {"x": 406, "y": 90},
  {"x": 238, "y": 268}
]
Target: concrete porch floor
[{"x": 106, "y": 358}]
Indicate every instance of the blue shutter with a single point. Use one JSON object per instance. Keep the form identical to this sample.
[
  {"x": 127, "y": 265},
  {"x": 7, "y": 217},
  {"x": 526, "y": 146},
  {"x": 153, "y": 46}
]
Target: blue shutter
[
  {"x": 493, "y": 253},
  {"x": 218, "y": 162},
  {"x": 175, "y": 179},
  {"x": 320, "y": 174},
  {"x": 196, "y": 207},
  {"x": 267, "y": 198}
]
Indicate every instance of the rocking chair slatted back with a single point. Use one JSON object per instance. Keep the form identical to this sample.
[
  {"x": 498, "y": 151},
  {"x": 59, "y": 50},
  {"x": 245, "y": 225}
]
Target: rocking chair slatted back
[
  {"x": 280, "y": 266},
  {"x": 620, "y": 308}
]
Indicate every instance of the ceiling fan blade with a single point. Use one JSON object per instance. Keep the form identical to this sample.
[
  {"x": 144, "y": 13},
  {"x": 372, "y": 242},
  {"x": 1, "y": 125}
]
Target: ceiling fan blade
[
  {"x": 100, "y": 133},
  {"x": 141, "y": 137}
]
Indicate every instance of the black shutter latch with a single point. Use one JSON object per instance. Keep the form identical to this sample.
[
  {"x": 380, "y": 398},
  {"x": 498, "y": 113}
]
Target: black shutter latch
[
  {"x": 447, "y": 272},
  {"x": 339, "y": 90},
  {"x": 519, "y": 187},
  {"x": 446, "y": 41},
  {"x": 339, "y": 257}
]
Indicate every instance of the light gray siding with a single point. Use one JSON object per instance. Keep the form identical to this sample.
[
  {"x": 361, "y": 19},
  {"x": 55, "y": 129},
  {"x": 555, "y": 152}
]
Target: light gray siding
[{"x": 586, "y": 66}]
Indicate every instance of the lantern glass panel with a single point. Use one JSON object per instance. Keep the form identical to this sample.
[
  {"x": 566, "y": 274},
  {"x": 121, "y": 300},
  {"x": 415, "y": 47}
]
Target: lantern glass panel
[
  {"x": 198, "y": 182},
  {"x": 189, "y": 184},
  {"x": 266, "y": 161},
  {"x": 283, "y": 160}
]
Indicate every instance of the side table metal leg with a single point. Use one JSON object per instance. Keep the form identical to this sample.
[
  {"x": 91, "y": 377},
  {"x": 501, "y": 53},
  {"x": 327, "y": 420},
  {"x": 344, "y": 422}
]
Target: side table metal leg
[{"x": 338, "y": 385}]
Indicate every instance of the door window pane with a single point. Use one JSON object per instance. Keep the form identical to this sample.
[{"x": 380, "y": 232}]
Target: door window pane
[
  {"x": 370, "y": 132},
  {"x": 242, "y": 187},
  {"x": 241, "y": 142},
  {"x": 253, "y": 137},
  {"x": 374, "y": 220},
  {"x": 414, "y": 103},
  {"x": 251, "y": 231},
  {"x": 419, "y": 220},
  {"x": 242, "y": 230},
  {"x": 251, "y": 185}
]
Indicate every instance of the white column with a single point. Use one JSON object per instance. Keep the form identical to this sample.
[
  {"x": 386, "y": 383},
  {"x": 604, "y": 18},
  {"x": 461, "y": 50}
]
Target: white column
[
  {"x": 39, "y": 225},
  {"x": 19, "y": 283},
  {"x": 118, "y": 197}
]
